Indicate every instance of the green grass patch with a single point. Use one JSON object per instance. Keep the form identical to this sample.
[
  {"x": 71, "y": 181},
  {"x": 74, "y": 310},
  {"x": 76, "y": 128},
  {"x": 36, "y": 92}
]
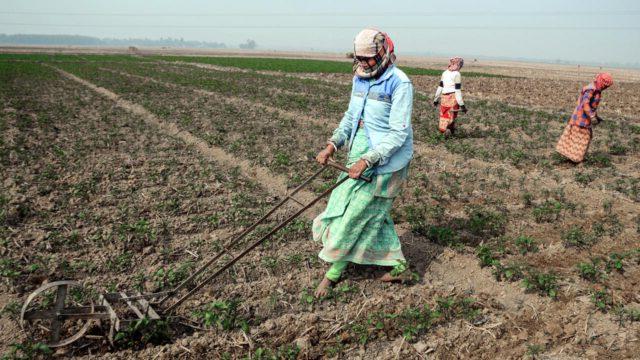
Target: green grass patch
[{"x": 300, "y": 65}]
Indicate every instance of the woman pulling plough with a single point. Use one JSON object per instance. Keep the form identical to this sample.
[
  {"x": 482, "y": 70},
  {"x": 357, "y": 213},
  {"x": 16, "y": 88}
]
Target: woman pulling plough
[
  {"x": 577, "y": 135},
  {"x": 356, "y": 226},
  {"x": 449, "y": 95}
]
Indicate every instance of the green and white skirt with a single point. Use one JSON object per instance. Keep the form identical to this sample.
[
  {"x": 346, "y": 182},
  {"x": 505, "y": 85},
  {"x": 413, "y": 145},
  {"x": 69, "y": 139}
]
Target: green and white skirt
[{"x": 356, "y": 226}]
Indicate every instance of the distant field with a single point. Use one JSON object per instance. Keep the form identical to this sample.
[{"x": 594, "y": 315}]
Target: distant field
[
  {"x": 299, "y": 65},
  {"x": 260, "y": 64}
]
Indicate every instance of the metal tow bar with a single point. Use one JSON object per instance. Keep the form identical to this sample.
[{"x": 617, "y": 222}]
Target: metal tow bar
[{"x": 61, "y": 312}]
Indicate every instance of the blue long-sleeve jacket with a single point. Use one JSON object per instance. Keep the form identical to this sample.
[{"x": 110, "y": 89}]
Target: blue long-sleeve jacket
[{"x": 385, "y": 105}]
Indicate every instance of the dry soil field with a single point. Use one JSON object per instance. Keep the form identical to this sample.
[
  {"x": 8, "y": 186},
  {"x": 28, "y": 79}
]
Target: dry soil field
[{"x": 127, "y": 172}]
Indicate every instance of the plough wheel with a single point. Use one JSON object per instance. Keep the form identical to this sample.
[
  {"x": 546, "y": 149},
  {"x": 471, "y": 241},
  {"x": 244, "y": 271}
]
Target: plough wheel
[{"x": 53, "y": 315}]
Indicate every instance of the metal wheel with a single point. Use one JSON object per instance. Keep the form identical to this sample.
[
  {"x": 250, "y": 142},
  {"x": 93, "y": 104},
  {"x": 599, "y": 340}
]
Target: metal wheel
[{"x": 53, "y": 313}]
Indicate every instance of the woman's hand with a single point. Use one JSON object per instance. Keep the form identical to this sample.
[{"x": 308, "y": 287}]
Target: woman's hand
[
  {"x": 357, "y": 169},
  {"x": 324, "y": 155}
]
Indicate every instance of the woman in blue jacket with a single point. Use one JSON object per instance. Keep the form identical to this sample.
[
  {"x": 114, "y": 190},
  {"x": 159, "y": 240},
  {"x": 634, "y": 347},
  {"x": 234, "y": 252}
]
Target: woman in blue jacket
[{"x": 376, "y": 129}]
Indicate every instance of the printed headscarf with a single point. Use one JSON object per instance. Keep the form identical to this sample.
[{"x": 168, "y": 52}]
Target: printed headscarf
[
  {"x": 603, "y": 81},
  {"x": 455, "y": 63},
  {"x": 372, "y": 43}
]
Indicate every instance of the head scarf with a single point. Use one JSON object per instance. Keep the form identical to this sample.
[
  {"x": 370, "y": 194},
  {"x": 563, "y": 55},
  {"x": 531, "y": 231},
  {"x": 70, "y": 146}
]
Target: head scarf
[
  {"x": 372, "y": 43},
  {"x": 603, "y": 81},
  {"x": 455, "y": 63}
]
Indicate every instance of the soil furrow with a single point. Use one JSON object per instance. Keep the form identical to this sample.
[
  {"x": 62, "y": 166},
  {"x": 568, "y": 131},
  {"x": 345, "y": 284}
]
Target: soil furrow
[{"x": 275, "y": 184}]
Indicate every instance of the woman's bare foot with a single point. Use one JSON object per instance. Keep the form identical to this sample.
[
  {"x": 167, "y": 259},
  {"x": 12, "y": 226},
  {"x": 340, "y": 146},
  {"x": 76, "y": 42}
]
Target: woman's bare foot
[{"x": 323, "y": 289}]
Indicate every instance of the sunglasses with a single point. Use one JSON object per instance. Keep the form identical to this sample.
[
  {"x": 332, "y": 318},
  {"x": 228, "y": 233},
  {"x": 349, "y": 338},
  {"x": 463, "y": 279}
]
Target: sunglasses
[{"x": 363, "y": 58}]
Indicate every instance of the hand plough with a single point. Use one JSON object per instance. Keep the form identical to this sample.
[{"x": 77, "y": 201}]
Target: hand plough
[{"x": 60, "y": 312}]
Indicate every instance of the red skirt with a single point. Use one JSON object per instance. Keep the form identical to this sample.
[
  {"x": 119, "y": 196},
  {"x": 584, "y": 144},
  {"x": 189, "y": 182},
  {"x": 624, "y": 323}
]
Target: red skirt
[{"x": 447, "y": 117}]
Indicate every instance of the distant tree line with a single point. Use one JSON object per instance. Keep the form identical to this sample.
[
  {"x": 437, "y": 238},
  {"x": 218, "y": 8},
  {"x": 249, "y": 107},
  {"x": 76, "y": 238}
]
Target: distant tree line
[
  {"x": 248, "y": 45},
  {"x": 34, "y": 39}
]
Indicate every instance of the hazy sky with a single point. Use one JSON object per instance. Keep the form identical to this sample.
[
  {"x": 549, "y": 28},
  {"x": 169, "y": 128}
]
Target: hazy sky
[{"x": 582, "y": 31}]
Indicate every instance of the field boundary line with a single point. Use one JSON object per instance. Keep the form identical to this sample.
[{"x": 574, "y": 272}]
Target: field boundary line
[
  {"x": 250, "y": 71},
  {"x": 272, "y": 183}
]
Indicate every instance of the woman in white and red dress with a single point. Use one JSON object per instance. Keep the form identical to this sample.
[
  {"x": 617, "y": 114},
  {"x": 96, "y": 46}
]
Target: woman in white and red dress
[{"x": 449, "y": 95}]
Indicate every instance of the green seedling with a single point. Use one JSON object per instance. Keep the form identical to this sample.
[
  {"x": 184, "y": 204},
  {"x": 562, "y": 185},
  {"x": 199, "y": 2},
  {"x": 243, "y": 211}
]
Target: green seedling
[
  {"x": 224, "y": 315},
  {"x": 602, "y": 300},
  {"x": 543, "y": 283},
  {"x": 508, "y": 272},
  {"x": 142, "y": 332},
  {"x": 485, "y": 254},
  {"x": 27, "y": 350},
  {"x": 526, "y": 244},
  {"x": 578, "y": 238},
  {"x": 591, "y": 271},
  {"x": 615, "y": 262},
  {"x": 548, "y": 211}
]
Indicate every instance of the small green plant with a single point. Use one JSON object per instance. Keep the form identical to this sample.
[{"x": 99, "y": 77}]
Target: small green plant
[
  {"x": 615, "y": 262},
  {"x": 526, "y": 244},
  {"x": 633, "y": 314},
  {"x": 138, "y": 234},
  {"x": 171, "y": 276},
  {"x": 583, "y": 177},
  {"x": 9, "y": 268},
  {"x": 27, "y": 350},
  {"x": 599, "y": 159},
  {"x": 442, "y": 235},
  {"x": 543, "y": 283},
  {"x": 342, "y": 292},
  {"x": 548, "y": 211},
  {"x": 601, "y": 299},
  {"x": 223, "y": 314},
  {"x": 453, "y": 307},
  {"x": 269, "y": 262},
  {"x": 142, "y": 332},
  {"x": 334, "y": 351},
  {"x": 508, "y": 272},
  {"x": 307, "y": 297},
  {"x": 590, "y": 271},
  {"x": 120, "y": 262},
  {"x": 12, "y": 309},
  {"x": 625, "y": 313},
  {"x": 413, "y": 322},
  {"x": 533, "y": 350},
  {"x": 282, "y": 159},
  {"x": 361, "y": 333},
  {"x": 484, "y": 222},
  {"x": 618, "y": 149},
  {"x": 287, "y": 351},
  {"x": 485, "y": 254},
  {"x": 578, "y": 238}
]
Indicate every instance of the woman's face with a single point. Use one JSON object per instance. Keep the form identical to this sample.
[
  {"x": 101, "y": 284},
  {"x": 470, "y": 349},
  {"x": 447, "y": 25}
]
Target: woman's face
[{"x": 366, "y": 62}]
